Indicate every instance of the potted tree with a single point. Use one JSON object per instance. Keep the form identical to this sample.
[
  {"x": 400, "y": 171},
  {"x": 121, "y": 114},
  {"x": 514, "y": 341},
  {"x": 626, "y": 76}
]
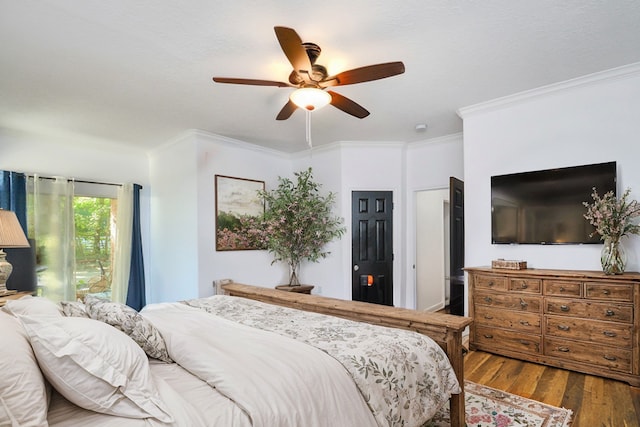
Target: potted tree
[{"x": 298, "y": 222}]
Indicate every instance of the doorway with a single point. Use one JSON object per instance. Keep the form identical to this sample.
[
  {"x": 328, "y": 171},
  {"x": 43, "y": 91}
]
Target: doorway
[
  {"x": 432, "y": 244},
  {"x": 439, "y": 262},
  {"x": 372, "y": 246}
]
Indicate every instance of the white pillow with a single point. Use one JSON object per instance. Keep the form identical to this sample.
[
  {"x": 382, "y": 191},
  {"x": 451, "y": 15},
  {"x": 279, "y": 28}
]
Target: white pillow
[
  {"x": 24, "y": 394},
  {"x": 95, "y": 366},
  {"x": 29, "y": 305}
]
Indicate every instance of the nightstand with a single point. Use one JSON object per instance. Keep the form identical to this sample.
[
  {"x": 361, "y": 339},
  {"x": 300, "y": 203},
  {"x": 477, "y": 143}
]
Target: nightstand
[
  {"x": 4, "y": 299},
  {"x": 301, "y": 289}
]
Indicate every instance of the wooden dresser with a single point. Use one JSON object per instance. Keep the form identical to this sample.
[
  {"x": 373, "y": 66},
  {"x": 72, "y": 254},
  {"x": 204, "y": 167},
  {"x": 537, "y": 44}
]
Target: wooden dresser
[{"x": 579, "y": 320}]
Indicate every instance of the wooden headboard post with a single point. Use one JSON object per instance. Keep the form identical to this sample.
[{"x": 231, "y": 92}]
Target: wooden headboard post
[{"x": 445, "y": 329}]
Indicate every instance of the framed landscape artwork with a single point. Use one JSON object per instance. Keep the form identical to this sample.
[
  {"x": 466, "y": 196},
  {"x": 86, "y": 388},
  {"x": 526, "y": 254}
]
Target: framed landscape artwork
[{"x": 236, "y": 200}]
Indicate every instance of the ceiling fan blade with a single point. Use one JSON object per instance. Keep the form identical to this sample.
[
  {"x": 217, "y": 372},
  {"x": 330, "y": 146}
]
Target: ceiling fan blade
[
  {"x": 286, "y": 111},
  {"x": 253, "y": 82},
  {"x": 291, "y": 45},
  {"x": 364, "y": 74},
  {"x": 348, "y": 106}
]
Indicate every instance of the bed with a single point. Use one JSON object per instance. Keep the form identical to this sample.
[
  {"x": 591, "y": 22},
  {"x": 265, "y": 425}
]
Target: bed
[{"x": 254, "y": 357}]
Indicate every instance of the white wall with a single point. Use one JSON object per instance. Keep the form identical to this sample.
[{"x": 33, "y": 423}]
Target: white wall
[
  {"x": 87, "y": 160},
  {"x": 429, "y": 165},
  {"x": 174, "y": 222},
  {"x": 184, "y": 257},
  {"x": 588, "y": 120},
  {"x": 327, "y": 274},
  {"x": 221, "y": 156}
]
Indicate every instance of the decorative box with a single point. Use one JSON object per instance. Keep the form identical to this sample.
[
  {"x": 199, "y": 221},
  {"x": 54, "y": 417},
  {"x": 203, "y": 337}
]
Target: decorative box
[{"x": 509, "y": 264}]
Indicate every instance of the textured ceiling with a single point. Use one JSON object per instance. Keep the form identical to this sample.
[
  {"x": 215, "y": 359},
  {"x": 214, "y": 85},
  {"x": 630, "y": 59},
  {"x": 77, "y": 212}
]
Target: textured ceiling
[{"x": 139, "y": 72}]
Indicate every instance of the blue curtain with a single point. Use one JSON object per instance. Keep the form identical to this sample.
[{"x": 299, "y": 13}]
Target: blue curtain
[
  {"x": 13, "y": 195},
  {"x": 136, "y": 292}
]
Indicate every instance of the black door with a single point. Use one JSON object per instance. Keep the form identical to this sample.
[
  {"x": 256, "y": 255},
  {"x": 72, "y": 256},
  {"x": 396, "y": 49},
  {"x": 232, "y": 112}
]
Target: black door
[
  {"x": 456, "y": 254},
  {"x": 372, "y": 248}
]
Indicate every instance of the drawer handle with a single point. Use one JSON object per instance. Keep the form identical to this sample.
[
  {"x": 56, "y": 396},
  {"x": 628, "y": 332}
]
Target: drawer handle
[
  {"x": 524, "y": 342},
  {"x": 524, "y": 285},
  {"x": 610, "y": 358},
  {"x": 610, "y": 312},
  {"x": 563, "y": 327},
  {"x": 486, "y": 316},
  {"x": 488, "y": 299},
  {"x": 491, "y": 283},
  {"x": 561, "y": 288},
  {"x": 610, "y": 334},
  {"x": 523, "y": 304},
  {"x": 606, "y": 292},
  {"x": 524, "y": 323},
  {"x": 488, "y": 336},
  {"x": 564, "y": 349},
  {"x": 564, "y": 308}
]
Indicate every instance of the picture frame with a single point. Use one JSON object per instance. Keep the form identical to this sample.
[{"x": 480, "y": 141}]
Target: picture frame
[{"x": 236, "y": 199}]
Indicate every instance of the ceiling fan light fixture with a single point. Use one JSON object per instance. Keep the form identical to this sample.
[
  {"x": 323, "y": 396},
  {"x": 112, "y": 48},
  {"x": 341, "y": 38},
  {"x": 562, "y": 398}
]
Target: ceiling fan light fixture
[{"x": 310, "y": 98}]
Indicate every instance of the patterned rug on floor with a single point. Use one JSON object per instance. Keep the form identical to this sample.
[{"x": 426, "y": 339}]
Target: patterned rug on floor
[{"x": 486, "y": 406}]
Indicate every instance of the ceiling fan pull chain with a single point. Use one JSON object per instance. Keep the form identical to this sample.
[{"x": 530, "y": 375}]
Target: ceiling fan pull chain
[{"x": 308, "y": 128}]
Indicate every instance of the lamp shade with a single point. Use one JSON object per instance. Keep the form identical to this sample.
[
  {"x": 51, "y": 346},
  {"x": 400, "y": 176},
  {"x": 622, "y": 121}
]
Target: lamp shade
[
  {"x": 11, "y": 233},
  {"x": 310, "y": 98}
]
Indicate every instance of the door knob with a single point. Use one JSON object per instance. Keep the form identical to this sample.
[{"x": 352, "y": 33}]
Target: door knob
[{"x": 356, "y": 267}]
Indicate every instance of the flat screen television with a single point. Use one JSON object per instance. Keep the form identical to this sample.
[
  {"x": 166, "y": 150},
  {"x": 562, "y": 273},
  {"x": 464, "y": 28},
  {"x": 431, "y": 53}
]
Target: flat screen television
[{"x": 545, "y": 207}]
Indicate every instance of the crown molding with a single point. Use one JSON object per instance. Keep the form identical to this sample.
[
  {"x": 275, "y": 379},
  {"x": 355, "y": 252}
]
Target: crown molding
[
  {"x": 220, "y": 140},
  {"x": 446, "y": 139},
  {"x": 623, "y": 72},
  {"x": 346, "y": 144}
]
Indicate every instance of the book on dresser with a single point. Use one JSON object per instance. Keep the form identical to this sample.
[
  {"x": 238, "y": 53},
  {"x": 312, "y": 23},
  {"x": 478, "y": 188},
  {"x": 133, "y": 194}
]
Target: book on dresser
[{"x": 578, "y": 320}]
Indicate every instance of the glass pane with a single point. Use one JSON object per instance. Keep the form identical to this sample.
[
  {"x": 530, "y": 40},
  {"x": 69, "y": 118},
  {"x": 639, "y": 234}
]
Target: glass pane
[{"x": 94, "y": 239}]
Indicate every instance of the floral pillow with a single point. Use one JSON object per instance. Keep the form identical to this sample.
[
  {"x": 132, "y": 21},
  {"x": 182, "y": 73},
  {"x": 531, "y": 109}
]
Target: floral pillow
[
  {"x": 131, "y": 323},
  {"x": 73, "y": 309}
]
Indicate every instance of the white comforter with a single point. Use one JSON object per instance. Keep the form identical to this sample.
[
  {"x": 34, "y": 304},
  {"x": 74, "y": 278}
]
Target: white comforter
[
  {"x": 274, "y": 380},
  {"x": 404, "y": 376}
]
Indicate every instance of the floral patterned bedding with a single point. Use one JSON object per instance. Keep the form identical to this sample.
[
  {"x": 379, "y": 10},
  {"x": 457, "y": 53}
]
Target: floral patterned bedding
[{"x": 404, "y": 376}]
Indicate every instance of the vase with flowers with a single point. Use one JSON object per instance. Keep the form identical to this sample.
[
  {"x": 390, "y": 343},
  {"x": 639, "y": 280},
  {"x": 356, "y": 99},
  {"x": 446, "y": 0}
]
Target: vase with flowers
[
  {"x": 613, "y": 219},
  {"x": 298, "y": 222}
]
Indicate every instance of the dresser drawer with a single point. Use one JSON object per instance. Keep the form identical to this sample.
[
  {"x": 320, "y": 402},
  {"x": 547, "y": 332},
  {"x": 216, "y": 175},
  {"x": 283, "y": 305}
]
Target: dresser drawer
[
  {"x": 610, "y": 333},
  {"x": 497, "y": 339},
  {"x": 613, "y": 312},
  {"x": 482, "y": 281},
  {"x": 517, "y": 320},
  {"x": 509, "y": 301},
  {"x": 533, "y": 286},
  {"x": 563, "y": 288},
  {"x": 614, "y": 358},
  {"x": 609, "y": 291}
]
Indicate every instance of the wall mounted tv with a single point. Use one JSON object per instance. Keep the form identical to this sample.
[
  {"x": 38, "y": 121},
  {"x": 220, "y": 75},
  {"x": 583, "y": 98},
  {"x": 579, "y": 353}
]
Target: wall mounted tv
[{"x": 545, "y": 207}]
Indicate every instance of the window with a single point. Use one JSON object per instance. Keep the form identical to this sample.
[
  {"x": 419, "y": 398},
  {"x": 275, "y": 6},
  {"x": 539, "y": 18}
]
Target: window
[{"x": 74, "y": 228}]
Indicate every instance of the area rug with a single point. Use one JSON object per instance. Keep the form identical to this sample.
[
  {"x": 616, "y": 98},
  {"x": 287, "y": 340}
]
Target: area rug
[{"x": 486, "y": 406}]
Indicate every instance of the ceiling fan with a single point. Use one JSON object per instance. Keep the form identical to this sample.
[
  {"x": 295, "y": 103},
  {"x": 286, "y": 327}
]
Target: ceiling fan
[{"x": 312, "y": 80}]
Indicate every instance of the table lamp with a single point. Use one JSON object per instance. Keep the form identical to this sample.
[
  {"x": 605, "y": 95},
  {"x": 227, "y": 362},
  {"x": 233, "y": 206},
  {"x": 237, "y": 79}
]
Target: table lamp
[{"x": 11, "y": 236}]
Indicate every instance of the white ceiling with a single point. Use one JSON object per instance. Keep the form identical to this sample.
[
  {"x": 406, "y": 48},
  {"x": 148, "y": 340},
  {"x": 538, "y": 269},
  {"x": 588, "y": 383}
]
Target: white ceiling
[{"x": 139, "y": 72}]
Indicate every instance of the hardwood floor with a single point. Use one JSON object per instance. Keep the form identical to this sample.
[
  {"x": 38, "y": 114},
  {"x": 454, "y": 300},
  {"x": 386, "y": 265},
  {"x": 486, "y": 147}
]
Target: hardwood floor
[{"x": 595, "y": 401}]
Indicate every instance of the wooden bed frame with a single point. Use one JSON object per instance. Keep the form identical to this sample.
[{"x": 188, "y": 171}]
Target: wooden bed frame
[{"x": 445, "y": 329}]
